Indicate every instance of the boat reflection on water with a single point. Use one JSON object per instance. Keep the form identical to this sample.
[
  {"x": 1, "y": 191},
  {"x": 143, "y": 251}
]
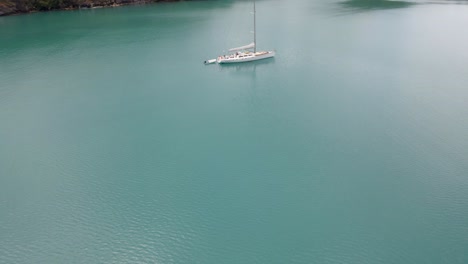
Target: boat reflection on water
[{"x": 246, "y": 67}]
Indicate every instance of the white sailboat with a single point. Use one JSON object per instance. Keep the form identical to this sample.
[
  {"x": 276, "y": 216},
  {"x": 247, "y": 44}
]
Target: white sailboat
[{"x": 245, "y": 53}]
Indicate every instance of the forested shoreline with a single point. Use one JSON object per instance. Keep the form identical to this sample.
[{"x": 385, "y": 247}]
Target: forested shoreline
[{"x": 10, "y": 7}]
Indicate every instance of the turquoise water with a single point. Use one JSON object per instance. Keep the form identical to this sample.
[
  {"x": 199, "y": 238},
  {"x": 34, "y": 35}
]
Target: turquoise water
[{"x": 117, "y": 145}]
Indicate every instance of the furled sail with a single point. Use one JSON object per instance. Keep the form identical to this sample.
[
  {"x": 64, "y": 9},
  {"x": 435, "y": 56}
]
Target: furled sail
[{"x": 250, "y": 46}]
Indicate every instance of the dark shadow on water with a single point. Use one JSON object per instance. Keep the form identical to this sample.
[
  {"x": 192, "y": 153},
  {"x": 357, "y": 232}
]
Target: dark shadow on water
[
  {"x": 369, "y": 5},
  {"x": 356, "y": 6}
]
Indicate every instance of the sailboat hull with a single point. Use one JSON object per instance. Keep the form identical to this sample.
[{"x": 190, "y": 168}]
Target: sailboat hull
[{"x": 245, "y": 57}]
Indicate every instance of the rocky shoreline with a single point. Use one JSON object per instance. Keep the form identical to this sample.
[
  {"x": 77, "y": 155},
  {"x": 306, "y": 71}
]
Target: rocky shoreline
[{"x": 13, "y": 7}]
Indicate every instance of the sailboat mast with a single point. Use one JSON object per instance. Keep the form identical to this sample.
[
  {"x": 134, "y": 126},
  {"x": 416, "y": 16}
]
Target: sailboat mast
[{"x": 255, "y": 29}]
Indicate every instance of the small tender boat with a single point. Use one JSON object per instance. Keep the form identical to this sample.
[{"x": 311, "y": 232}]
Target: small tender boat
[{"x": 210, "y": 61}]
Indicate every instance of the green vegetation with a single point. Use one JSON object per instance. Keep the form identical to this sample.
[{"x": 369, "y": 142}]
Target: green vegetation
[
  {"x": 7, "y": 7},
  {"x": 20, "y": 6},
  {"x": 30, "y": 5}
]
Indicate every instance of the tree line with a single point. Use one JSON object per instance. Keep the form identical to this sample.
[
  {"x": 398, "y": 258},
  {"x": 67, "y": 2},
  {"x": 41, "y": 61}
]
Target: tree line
[{"x": 16, "y": 6}]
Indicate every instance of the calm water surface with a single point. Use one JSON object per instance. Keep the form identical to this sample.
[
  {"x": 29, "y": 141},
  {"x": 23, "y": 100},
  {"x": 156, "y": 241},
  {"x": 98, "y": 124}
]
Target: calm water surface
[{"x": 117, "y": 145}]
